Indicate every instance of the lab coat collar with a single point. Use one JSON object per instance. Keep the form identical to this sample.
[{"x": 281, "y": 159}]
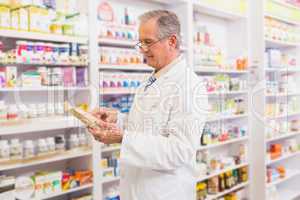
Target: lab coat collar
[
  {"x": 174, "y": 69},
  {"x": 167, "y": 68}
]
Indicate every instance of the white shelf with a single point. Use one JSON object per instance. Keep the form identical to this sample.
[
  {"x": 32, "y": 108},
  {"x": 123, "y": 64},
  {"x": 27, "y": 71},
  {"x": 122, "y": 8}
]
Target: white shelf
[
  {"x": 41, "y": 124},
  {"x": 287, "y": 70},
  {"x": 288, "y": 5},
  {"x": 282, "y": 19},
  {"x": 282, "y": 94},
  {"x": 289, "y": 194},
  {"x": 283, "y": 116},
  {"x": 77, "y": 189},
  {"x": 283, "y": 136},
  {"x": 45, "y": 64},
  {"x": 35, "y": 89},
  {"x": 118, "y": 43},
  {"x": 42, "y": 36},
  {"x": 167, "y": 2},
  {"x": 222, "y": 171},
  {"x": 55, "y": 158},
  {"x": 110, "y": 149},
  {"x": 228, "y": 92},
  {"x": 231, "y": 141},
  {"x": 279, "y": 44},
  {"x": 235, "y": 188},
  {"x": 216, "y": 12},
  {"x": 116, "y": 91},
  {"x": 110, "y": 179},
  {"x": 227, "y": 117},
  {"x": 202, "y": 69},
  {"x": 284, "y": 157},
  {"x": 136, "y": 67},
  {"x": 288, "y": 176}
]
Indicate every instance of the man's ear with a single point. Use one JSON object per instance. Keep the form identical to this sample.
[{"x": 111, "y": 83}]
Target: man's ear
[{"x": 173, "y": 40}]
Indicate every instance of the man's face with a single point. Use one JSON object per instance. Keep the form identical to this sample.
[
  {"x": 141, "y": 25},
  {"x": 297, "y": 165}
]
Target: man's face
[{"x": 157, "y": 54}]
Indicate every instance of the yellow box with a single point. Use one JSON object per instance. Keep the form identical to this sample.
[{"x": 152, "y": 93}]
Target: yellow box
[
  {"x": 34, "y": 19},
  {"x": 4, "y": 17}
]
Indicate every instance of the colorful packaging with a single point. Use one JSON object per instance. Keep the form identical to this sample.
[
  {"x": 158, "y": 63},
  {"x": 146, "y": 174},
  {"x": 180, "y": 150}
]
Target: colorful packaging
[
  {"x": 11, "y": 77},
  {"x": 2, "y": 77},
  {"x": 81, "y": 77},
  {"x": 69, "y": 76}
]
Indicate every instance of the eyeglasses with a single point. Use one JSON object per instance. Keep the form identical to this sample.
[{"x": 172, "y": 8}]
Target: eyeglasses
[{"x": 146, "y": 45}]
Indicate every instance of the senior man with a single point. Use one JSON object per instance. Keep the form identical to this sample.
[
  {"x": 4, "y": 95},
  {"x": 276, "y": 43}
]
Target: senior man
[{"x": 158, "y": 146}]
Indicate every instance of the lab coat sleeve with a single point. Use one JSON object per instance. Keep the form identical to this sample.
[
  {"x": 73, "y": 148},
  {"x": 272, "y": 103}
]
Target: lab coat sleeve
[
  {"x": 164, "y": 152},
  {"x": 122, "y": 120}
]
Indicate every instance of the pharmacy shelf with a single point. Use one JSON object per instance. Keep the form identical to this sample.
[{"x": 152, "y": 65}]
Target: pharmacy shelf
[
  {"x": 135, "y": 67},
  {"x": 228, "y": 92},
  {"x": 166, "y": 2},
  {"x": 8, "y": 182},
  {"x": 202, "y": 69},
  {"x": 42, "y": 36},
  {"x": 36, "y": 89},
  {"x": 110, "y": 149},
  {"x": 235, "y": 188},
  {"x": 226, "y": 117},
  {"x": 40, "y": 124},
  {"x": 222, "y": 171},
  {"x": 282, "y": 19},
  {"x": 77, "y": 189},
  {"x": 287, "y": 70},
  {"x": 116, "y": 43},
  {"x": 117, "y": 91},
  {"x": 288, "y": 5},
  {"x": 279, "y": 44},
  {"x": 231, "y": 141},
  {"x": 289, "y": 175},
  {"x": 44, "y": 64},
  {"x": 283, "y": 116},
  {"x": 67, "y": 155},
  {"x": 283, "y": 136},
  {"x": 289, "y": 194},
  {"x": 284, "y": 157},
  {"x": 283, "y": 94},
  {"x": 216, "y": 12},
  {"x": 110, "y": 179}
]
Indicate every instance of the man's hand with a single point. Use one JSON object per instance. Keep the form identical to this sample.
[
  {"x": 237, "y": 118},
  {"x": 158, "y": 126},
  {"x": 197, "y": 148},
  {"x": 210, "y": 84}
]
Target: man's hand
[
  {"x": 106, "y": 114},
  {"x": 107, "y": 133}
]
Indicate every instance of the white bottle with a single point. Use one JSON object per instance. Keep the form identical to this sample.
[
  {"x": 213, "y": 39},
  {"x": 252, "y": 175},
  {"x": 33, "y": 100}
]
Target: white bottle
[
  {"x": 83, "y": 140},
  {"x": 42, "y": 146},
  {"x": 32, "y": 111},
  {"x": 23, "y": 112},
  {"x": 16, "y": 150},
  {"x": 4, "y": 150},
  {"x": 73, "y": 141},
  {"x": 51, "y": 144},
  {"x": 28, "y": 149}
]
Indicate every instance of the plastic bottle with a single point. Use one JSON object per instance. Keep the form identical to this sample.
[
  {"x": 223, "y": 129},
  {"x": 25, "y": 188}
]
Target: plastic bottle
[
  {"x": 16, "y": 150},
  {"x": 4, "y": 150},
  {"x": 28, "y": 149}
]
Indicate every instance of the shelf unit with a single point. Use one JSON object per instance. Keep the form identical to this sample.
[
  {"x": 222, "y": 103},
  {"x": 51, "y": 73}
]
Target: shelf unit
[
  {"x": 223, "y": 25},
  {"x": 262, "y": 72},
  {"x": 51, "y": 126}
]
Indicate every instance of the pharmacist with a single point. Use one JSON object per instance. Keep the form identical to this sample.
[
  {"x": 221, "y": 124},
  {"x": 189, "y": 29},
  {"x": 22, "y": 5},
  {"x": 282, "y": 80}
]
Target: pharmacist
[{"x": 158, "y": 145}]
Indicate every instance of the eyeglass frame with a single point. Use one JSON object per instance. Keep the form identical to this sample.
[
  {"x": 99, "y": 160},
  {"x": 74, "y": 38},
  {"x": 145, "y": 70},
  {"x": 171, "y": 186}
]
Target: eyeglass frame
[{"x": 139, "y": 45}]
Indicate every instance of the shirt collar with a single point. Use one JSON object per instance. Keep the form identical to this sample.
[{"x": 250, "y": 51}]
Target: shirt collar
[{"x": 165, "y": 69}]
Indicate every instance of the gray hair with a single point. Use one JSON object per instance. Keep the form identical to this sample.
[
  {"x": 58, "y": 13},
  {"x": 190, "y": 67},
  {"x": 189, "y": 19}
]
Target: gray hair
[{"x": 167, "y": 22}]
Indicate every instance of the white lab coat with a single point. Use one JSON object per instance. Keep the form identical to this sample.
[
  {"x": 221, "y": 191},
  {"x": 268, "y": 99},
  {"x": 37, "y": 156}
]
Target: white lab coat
[{"x": 158, "y": 151}]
